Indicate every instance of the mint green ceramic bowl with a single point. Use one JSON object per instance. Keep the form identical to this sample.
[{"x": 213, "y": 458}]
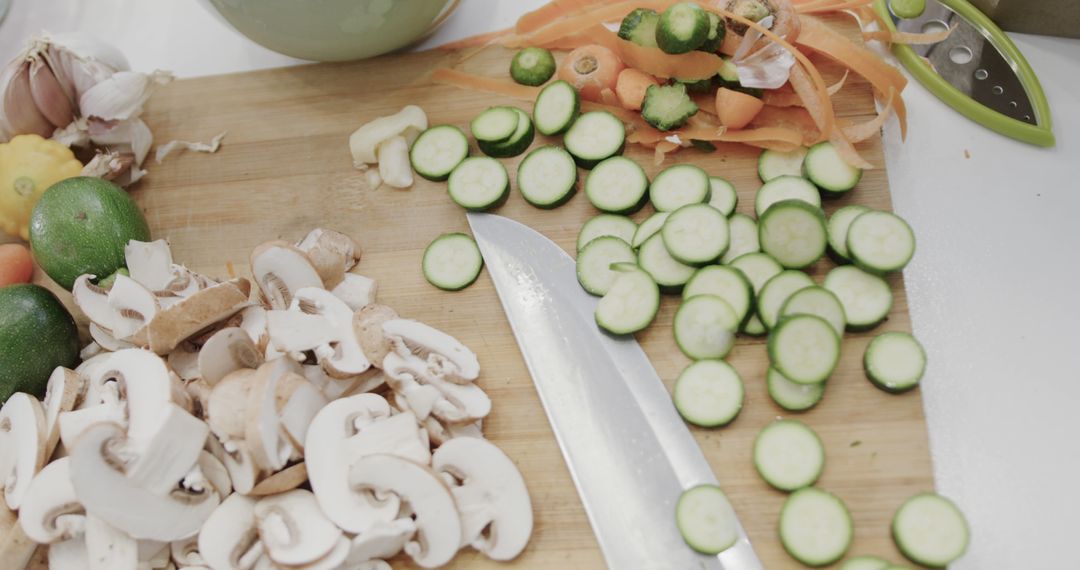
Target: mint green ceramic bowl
[{"x": 334, "y": 30}]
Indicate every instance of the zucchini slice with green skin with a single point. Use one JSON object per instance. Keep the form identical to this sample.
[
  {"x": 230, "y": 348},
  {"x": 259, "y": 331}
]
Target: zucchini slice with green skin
[
  {"x": 865, "y": 563},
  {"x": 715, "y": 36},
  {"x": 679, "y": 185},
  {"x": 667, "y": 107},
  {"x": 722, "y": 195},
  {"x": 895, "y": 362},
  {"x": 815, "y": 527},
  {"x": 520, "y": 140},
  {"x": 669, "y": 273},
  {"x": 479, "y": 183},
  {"x": 682, "y": 28},
  {"x": 696, "y": 234},
  {"x": 705, "y": 327},
  {"x": 639, "y": 27},
  {"x": 706, "y": 519},
  {"x": 880, "y": 242},
  {"x": 556, "y": 108},
  {"x": 547, "y": 177},
  {"x": 930, "y": 530},
  {"x": 632, "y": 302},
  {"x": 792, "y": 396},
  {"x": 495, "y": 124},
  {"x": 744, "y": 238},
  {"x": 594, "y": 263},
  {"x": 777, "y": 291},
  {"x": 758, "y": 269},
  {"x": 617, "y": 185},
  {"x": 839, "y": 224},
  {"x": 621, "y": 227},
  {"x": 650, "y": 227},
  {"x": 594, "y": 136},
  {"x": 817, "y": 301},
  {"x": 438, "y": 151},
  {"x": 824, "y": 167},
  {"x": 804, "y": 348},
  {"x": 794, "y": 233},
  {"x": 452, "y": 262},
  {"x": 708, "y": 393},
  {"x": 785, "y": 188},
  {"x": 725, "y": 282},
  {"x": 774, "y": 164},
  {"x": 867, "y": 298},
  {"x": 532, "y": 66},
  {"x": 789, "y": 455}
]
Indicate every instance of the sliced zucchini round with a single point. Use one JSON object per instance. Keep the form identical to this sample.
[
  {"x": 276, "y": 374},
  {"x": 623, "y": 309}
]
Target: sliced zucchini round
[
  {"x": 804, "y": 348},
  {"x": 794, "y": 233},
  {"x": 706, "y": 519},
  {"x": 669, "y": 273},
  {"x": 479, "y": 183},
  {"x": 828, "y": 171},
  {"x": 705, "y": 327},
  {"x": 744, "y": 237},
  {"x": 495, "y": 124},
  {"x": 682, "y": 28},
  {"x": 617, "y": 185},
  {"x": 895, "y": 362},
  {"x": 725, "y": 282},
  {"x": 817, "y": 301},
  {"x": 839, "y": 223},
  {"x": 594, "y": 136},
  {"x": 452, "y": 262},
  {"x": 815, "y": 527},
  {"x": 930, "y": 530},
  {"x": 789, "y": 455},
  {"x": 696, "y": 234},
  {"x": 785, "y": 188},
  {"x": 774, "y": 164},
  {"x": 677, "y": 186},
  {"x": 532, "y": 66},
  {"x": 621, "y": 227},
  {"x": 594, "y": 263},
  {"x": 792, "y": 396},
  {"x": 708, "y": 393},
  {"x": 865, "y": 563},
  {"x": 518, "y": 142},
  {"x": 723, "y": 196},
  {"x": 556, "y": 108},
  {"x": 867, "y": 298},
  {"x": 632, "y": 302},
  {"x": 438, "y": 151},
  {"x": 777, "y": 291},
  {"x": 650, "y": 227},
  {"x": 547, "y": 177},
  {"x": 880, "y": 242}
]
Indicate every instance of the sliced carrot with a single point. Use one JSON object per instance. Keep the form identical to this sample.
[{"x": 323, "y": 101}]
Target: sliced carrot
[
  {"x": 908, "y": 38},
  {"x": 447, "y": 76},
  {"x": 630, "y": 87},
  {"x": 479, "y": 40},
  {"x": 608, "y": 97},
  {"x": 16, "y": 265},
  {"x": 736, "y": 109},
  {"x": 591, "y": 69}
]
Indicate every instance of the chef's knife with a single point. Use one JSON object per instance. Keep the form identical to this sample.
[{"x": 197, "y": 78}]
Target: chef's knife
[{"x": 629, "y": 453}]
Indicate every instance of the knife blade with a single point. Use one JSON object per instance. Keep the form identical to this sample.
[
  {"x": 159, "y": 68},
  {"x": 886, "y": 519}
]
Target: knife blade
[{"x": 629, "y": 453}]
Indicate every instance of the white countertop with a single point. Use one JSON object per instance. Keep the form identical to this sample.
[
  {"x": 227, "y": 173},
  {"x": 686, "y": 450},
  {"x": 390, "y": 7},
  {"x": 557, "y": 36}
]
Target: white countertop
[{"x": 993, "y": 289}]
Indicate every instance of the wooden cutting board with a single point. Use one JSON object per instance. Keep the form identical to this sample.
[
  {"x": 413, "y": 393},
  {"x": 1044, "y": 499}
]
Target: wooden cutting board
[{"x": 284, "y": 168}]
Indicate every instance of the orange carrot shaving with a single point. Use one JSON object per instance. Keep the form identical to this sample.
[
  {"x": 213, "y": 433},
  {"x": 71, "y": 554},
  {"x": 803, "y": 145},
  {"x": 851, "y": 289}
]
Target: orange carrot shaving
[
  {"x": 858, "y": 132},
  {"x": 821, "y": 7},
  {"x": 786, "y": 97},
  {"x": 688, "y": 66},
  {"x": 908, "y": 38},
  {"x": 574, "y": 24},
  {"x": 794, "y": 119},
  {"x": 447, "y": 76},
  {"x": 479, "y": 40}
]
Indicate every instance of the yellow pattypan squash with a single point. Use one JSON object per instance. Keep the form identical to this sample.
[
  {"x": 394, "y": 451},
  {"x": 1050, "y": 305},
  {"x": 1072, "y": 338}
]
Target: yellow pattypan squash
[{"x": 29, "y": 165}]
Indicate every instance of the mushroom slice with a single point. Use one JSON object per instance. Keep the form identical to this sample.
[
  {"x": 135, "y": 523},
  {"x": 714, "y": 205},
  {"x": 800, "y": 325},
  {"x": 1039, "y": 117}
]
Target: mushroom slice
[
  {"x": 335, "y": 388},
  {"x": 235, "y": 456},
  {"x": 496, "y": 512},
  {"x": 99, "y": 477},
  {"x": 185, "y": 552},
  {"x": 293, "y": 528},
  {"x": 226, "y": 351},
  {"x": 262, "y": 424},
  {"x": 226, "y": 409},
  {"x": 156, "y": 464},
  {"x": 62, "y": 391},
  {"x": 438, "y": 527},
  {"x": 300, "y": 408},
  {"x": 367, "y": 324},
  {"x": 333, "y": 559},
  {"x": 134, "y": 306},
  {"x": 459, "y": 403},
  {"x": 193, "y": 314},
  {"x": 356, "y": 291},
  {"x": 50, "y": 511},
  {"x": 293, "y": 331},
  {"x": 106, "y": 340},
  {"x": 447, "y": 358},
  {"x": 184, "y": 361},
  {"x": 23, "y": 437},
  {"x": 374, "y": 565},
  {"x": 229, "y": 540},
  {"x": 342, "y": 356},
  {"x": 109, "y": 548},
  {"x": 285, "y": 480},
  {"x": 94, "y": 302},
  {"x": 344, "y": 431},
  {"x": 331, "y": 253},
  {"x": 143, "y": 381},
  {"x": 154, "y": 555},
  {"x": 215, "y": 473},
  {"x": 72, "y": 424},
  {"x": 440, "y": 433},
  {"x": 253, "y": 322},
  {"x": 280, "y": 270},
  {"x": 91, "y": 350},
  {"x": 69, "y": 555},
  {"x": 150, "y": 263},
  {"x": 383, "y": 540}
]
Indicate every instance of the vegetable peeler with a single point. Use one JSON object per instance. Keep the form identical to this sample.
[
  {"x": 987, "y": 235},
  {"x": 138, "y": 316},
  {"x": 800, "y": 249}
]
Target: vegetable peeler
[{"x": 977, "y": 70}]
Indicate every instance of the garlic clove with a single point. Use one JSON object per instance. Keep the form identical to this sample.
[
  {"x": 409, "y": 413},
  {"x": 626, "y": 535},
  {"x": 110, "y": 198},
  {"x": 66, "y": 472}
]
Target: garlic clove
[
  {"x": 121, "y": 96},
  {"x": 18, "y": 111},
  {"x": 131, "y": 136},
  {"x": 62, "y": 78},
  {"x": 48, "y": 95},
  {"x": 394, "y": 166}
]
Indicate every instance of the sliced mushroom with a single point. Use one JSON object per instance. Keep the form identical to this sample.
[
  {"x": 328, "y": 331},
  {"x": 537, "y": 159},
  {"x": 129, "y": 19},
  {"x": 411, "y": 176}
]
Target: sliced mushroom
[
  {"x": 184, "y": 361},
  {"x": 155, "y": 464},
  {"x": 496, "y": 512},
  {"x": 262, "y": 424},
  {"x": 293, "y": 528},
  {"x": 101, "y": 484},
  {"x": 253, "y": 322},
  {"x": 178, "y": 322},
  {"x": 334, "y": 388},
  {"x": 356, "y": 291},
  {"x": 332, "y": 560},
  {"x": 133, "y": 304},
  {"x": 69, "y": 555},
  {"x": 185, "y": 552},
  {"x": 367, "y": 323},
  {"x": 384, "y": 540},
  {"x": 50, "y": 511},
  {"x": 293, "y": 331},
  {"x": 285, "y": 480},
  {"x": 300, "y": 407},
  {"x": 215, "y": 473},
  {"x": 234, "y": 454},
  {"x": 62, "y": 391},
  {"x": 440, "y": 433},
  {"x": 106, "y": 340},
  {"x": 344, "y": 431},
  {"x": 226, "y": 411},
  {"x": 411, "y": 395},
  {"x": 153, "y": 555},
  {"x": 229, "y": 540},
  {"x": 150, "y": 263},
  {"x": 374, "y": 565},
  {"x": 280, "y": 270},
  {"x": 459, "y": 403},
  {"x": 228, "y": 350},
  {"x": 23, "y": 437},
  {"x": 109, "y": 548},
  {"x": 342, "y": 357},
  {"x": 91, "y": 350},
  {"x": 332, "y": 253},
  {"x": 438, "y": 527},
  {"x": 109, "y": 408},
  {"x": 447, "y": 358}
]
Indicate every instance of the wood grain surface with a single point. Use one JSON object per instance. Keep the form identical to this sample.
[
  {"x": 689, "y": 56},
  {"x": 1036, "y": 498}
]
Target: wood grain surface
[{"x": 284, "y": 168}]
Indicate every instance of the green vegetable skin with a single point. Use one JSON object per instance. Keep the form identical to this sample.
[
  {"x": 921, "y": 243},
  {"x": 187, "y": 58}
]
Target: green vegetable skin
[
  {"x": 908, "y": 9},
  {"x": 639, "y": 27},
  {"x": 715, "y": 36},
  {"x": 532, "y": 66},
  {"x": 682, "y": 28},
  {"x": 37, "y": 334},
  {"x": 667, "y": 107},
  {"x": 81, "y": 225}
]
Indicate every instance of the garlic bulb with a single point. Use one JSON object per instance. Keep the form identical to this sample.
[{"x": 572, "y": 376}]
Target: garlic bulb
[{"x": 80, "y": 92}]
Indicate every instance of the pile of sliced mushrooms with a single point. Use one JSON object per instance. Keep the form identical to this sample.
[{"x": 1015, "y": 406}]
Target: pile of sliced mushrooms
[{"x": 309, "y": 428}]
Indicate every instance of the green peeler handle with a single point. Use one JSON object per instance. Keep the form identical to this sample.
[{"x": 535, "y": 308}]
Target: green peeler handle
[{"x": 1041, "y": 134}]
